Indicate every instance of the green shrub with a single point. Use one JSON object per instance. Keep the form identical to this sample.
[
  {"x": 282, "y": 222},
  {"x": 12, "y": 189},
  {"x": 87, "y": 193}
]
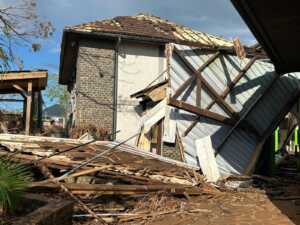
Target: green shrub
[{"x": 14, "y": 178}]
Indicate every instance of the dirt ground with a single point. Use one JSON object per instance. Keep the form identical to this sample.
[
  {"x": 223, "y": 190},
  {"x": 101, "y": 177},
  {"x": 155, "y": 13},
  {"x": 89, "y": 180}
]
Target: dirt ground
[
  {"x": 279, "y": 206},
  {"x": 265, "y": 201}
]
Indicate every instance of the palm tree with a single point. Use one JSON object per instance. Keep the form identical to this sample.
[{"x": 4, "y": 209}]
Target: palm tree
[{"x": 14, "y": 178}]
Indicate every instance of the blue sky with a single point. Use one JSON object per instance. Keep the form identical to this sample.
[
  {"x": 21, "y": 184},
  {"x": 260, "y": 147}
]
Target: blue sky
[{"x": 212, "y": 16}]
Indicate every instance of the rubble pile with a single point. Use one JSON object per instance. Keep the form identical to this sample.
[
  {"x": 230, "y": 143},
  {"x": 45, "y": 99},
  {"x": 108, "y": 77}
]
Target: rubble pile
[{"x": 99, "y": 174}]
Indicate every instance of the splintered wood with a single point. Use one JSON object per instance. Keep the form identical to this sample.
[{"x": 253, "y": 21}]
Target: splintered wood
[{"x": 121, "y": 171}]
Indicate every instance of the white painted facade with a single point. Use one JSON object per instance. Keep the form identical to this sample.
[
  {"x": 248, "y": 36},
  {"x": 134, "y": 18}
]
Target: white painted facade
[{"x": 138, "y": 66}]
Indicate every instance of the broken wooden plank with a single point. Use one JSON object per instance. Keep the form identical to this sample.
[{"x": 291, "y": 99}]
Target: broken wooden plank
[
  {"x": 46, "y": 172},
  {"x": 106, "y": 189},
  {"x": 156, "y": 92},
  {"x": 180, "y": 145}
]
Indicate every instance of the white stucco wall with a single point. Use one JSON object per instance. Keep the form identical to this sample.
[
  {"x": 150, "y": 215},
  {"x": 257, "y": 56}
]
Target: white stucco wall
[{"x": 139, "y": 65}]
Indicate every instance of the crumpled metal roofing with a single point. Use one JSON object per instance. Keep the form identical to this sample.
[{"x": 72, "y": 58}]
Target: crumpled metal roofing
[
  {"x": 267, "y": 106},
  {"x": 153, "y": 27}
]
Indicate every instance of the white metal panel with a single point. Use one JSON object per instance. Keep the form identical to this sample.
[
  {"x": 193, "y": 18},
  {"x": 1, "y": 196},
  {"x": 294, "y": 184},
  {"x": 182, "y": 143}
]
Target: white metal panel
[{"x": 238, "y": 146}]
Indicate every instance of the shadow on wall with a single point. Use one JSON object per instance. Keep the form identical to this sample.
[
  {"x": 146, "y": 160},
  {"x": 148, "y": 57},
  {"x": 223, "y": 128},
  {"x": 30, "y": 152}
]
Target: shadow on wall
[
  {"x": 268, "y": 115},
  {"x": 99, "y": 103}
]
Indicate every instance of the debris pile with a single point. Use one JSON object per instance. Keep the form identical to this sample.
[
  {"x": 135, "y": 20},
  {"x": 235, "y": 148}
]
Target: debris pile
[
  {"x": 98, "y": 133},
  {"x": 91, "y": 172}
]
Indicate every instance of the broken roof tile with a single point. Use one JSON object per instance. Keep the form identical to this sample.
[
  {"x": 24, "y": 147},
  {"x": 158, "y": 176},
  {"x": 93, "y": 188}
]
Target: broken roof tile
[{"x": 151, "y": 26}]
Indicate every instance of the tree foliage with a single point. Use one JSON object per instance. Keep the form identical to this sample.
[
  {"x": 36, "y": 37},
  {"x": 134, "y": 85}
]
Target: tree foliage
[
  {"x": 14, "y": 178},
  {"x": 20, "y": 26},
  {"x": 58, "y": 93}
]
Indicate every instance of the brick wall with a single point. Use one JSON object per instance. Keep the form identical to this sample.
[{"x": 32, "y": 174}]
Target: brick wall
[
  {"x": 94, "y": 84},
  {"x": 171, "y": 151}
]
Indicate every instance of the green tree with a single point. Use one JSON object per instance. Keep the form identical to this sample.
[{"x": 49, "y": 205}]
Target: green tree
[{"x": 58, "y": 93}]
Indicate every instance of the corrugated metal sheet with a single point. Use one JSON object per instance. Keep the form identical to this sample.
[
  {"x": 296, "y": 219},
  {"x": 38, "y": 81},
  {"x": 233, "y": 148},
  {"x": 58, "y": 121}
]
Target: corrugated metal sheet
[{"x": 250, "y": 92}]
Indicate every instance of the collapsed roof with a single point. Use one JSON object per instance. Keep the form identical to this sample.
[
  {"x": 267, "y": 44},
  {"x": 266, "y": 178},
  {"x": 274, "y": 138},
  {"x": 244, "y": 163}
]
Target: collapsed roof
[
  {"x": 222, "y": 107},
  {"x": 275, "y": 24},
  {"x": 235, "y": 101},
  {"x": 144, "y": 26},
  {"x": 141, "y": 28}
]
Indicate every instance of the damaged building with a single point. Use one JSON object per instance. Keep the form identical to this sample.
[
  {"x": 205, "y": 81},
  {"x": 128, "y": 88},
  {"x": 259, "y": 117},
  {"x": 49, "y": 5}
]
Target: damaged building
[{"x": 188, "y": 95}]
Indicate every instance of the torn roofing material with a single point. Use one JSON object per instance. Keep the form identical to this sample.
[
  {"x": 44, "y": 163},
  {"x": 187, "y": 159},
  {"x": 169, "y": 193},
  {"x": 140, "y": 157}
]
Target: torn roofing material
[
  {"x": 152, "y": 27},
  {"x": 275, "y": 24}
]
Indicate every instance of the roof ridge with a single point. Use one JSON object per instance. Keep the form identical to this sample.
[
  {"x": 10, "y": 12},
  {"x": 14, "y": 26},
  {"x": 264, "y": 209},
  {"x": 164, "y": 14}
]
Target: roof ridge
[{"x": 147, "y": 25}]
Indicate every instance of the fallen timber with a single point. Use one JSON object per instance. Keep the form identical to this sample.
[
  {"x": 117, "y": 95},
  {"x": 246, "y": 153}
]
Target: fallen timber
[
  {"x": 123, "y": 164},
  {"x": 122, "y": 172},
  {"x": 106, "y": 189}
]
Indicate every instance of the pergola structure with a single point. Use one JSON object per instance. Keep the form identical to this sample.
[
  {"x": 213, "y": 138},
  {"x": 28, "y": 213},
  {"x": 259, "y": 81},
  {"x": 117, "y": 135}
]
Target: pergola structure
[{"x": 29, "y": 85}]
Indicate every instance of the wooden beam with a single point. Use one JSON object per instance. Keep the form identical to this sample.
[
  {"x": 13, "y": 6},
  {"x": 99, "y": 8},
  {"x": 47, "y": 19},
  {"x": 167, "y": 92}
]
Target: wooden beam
[
  {"x": 180, "y": 145},
  {"x": 23, "y": 75},
  {"x": 225, "y": 92},
  {"x": 226, "y": 107},
  {"x": 159, "y": 137},
  {"x": 197, "y": 74},
  {"x": 201, "y": 112},
  {"x": 40, "y": 110},
  {"x": 21, "y": 90},
  {"x": 192, "y": 78},
  {"x": 238, "y": 77},
  {"x": 28, "y": 109},
  {"x": 11, "y": 100},
  {"x": 198, "y": 93},
  {"x": 209, "y": 61},
  {"x": 183, "y": 87},
  {"x": 123, "y": 189}
]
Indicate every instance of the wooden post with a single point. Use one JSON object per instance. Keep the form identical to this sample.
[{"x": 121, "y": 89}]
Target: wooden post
[
  {"x": 28, "y": 108},
  {"x": 159, "y": 137},
  {"x": 24, "y": 111},
  {"x": 198, "y": 96},
  {"x": 40, "y": 110}
]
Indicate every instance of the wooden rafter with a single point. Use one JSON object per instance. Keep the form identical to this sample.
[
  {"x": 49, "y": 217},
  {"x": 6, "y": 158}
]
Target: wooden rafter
[
  {"x": 21, "y": 90},
  {"x": 196, "y": 74},
  {"x": 191, "y": 68},
  {"x": 182, "y": 87},
  {"x": 198, "y": 93},
  {"x": 201, "y": 112},
  {"x": 237, "y": 78},
  {"x": 225, "y": 92},
  {"x": 209, "y": 61}
]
